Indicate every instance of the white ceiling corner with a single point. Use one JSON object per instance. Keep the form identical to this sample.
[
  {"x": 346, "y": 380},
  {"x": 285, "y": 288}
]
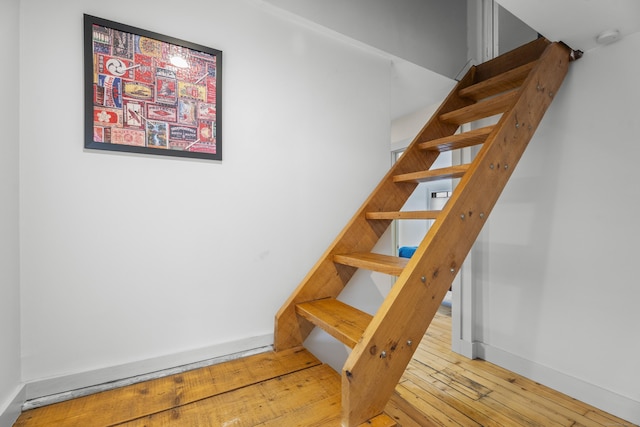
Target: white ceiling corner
[{"x": 577, "y": 23}]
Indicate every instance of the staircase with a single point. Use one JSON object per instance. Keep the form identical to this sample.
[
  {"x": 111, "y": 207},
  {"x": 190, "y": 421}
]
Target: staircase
[{"x": 519, "y": 86}]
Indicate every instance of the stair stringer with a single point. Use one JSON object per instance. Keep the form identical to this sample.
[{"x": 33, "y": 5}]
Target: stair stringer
[
  {"x": 327, "y": 279},
  {"x": 378, "y": 361}
]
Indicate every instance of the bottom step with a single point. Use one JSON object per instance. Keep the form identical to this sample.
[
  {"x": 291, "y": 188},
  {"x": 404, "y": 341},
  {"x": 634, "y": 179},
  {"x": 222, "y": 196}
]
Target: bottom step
[{"x": 288, "y": 388}]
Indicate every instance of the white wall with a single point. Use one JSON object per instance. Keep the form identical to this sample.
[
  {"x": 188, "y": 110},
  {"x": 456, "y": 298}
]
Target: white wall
[
  {"x": 9, "y": 220},
  {"x": 512, "y": 32},
  {"x": 128, "y": 257},
  {"x": 559, "y": 285},
  {"x": 404, "y": 129},
  {"x": 431, "y": 33}
]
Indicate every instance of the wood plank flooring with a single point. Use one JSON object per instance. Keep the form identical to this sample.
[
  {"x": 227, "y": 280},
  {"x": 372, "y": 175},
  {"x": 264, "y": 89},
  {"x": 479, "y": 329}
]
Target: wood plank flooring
[
  {"x": 442, "y": 388},
  {"x": 293, "y": 388},
  {"x": 288, "y": 388}
]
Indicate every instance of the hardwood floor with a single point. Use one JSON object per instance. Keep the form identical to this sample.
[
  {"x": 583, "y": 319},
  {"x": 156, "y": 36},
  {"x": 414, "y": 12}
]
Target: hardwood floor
[
  {"x": 439, "y": 388},
  {"x": 443, "y": 388}
]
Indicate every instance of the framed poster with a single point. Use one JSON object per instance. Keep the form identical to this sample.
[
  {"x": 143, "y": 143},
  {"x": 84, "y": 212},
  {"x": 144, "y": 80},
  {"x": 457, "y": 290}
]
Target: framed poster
[{"x": 149, "y": 93}]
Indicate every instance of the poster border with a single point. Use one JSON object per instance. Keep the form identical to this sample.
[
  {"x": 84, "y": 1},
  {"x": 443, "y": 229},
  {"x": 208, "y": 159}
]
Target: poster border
[{"x": 90, "y": 73}]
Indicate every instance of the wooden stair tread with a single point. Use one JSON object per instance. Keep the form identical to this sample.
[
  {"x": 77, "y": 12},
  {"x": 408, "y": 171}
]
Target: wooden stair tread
[
  {"x": 376, "y": 262},
  {"x": 480, "y": 110},
  {"x": 461, "y": 140},
  {"x": 341, "y": 321},
  {"x": 403, "y": 215},
  {"x": 529, "y": 52},
  {"x": 433, "y": 175},
  {"x": 497, "y": 84}
]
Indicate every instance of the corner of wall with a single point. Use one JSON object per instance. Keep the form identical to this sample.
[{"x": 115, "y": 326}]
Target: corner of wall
[
  {"x": 12, "y": 391},
  {"x": 10, "y": 413}
]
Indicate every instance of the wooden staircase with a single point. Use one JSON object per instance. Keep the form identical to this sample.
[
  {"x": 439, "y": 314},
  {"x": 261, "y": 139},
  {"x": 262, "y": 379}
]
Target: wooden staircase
[{"x": 519, "y": 85}]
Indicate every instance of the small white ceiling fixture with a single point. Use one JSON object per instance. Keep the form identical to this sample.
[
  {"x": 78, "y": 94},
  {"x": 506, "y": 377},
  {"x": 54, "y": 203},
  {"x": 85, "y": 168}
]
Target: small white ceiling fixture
[
  {"x": 608, "y": 36},
  {"x": 577, "y": 22}
]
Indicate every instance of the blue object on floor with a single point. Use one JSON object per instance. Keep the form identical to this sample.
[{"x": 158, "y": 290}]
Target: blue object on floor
[{"x": 406, "y": 251}]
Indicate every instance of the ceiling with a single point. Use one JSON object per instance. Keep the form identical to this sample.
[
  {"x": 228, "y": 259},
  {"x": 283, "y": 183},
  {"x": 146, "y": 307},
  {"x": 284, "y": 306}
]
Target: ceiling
[
  {"x": 577, "y": 22},
  {"x": 574, "y": 22},
  {"x": 413, "y": 86}
]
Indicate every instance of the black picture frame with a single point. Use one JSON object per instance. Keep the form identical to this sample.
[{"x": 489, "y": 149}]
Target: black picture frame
[{"x": 140, "y": 98}]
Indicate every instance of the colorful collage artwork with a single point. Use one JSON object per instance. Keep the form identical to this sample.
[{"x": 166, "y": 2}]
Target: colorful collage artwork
[{"x": 154, "y": 94}]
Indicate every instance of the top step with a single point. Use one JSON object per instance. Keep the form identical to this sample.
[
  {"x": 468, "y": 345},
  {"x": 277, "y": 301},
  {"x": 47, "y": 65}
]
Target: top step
[
  {"x": 530, "y": 52},
  {"x": 498, "y": 84}
]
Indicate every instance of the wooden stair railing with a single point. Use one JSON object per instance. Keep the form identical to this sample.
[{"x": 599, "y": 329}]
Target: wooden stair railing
[{"x": 519, "y": 85}]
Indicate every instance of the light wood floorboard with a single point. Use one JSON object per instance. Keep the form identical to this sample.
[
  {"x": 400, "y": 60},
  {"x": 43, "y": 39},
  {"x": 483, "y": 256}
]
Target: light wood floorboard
[
  {"x": 293, "y": 388},
  {"x": 442, "y": 388}
]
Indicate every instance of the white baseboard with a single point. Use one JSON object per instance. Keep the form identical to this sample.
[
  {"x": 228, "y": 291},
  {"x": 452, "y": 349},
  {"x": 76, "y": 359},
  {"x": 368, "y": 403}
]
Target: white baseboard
[
  {"x": 606, "y": 400},
  {"x": 53, "y": 390},
  {"x": 10, "y": 413},
  {"x": 467, "y": 349}
]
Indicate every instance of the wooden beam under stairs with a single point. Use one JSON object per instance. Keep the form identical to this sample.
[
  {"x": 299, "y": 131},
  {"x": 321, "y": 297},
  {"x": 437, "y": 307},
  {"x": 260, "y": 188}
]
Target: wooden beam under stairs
[{"x": 519, "y": 86}]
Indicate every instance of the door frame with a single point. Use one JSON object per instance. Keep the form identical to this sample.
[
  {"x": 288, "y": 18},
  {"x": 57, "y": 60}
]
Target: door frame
[{"x": 466, "y": 307}]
